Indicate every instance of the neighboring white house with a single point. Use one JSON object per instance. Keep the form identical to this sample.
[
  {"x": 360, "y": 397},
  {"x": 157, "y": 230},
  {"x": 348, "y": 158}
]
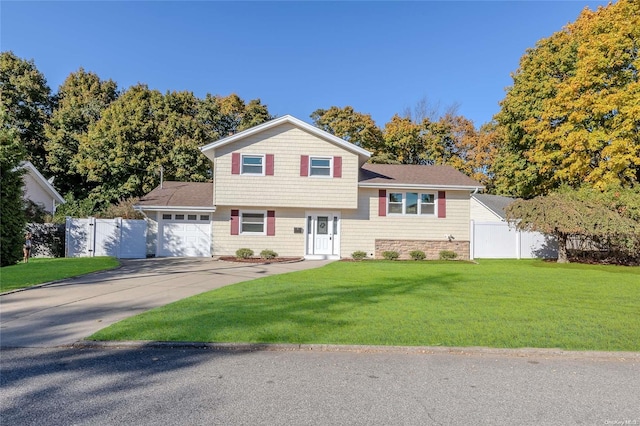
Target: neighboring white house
[
  {"x": 39, "y": 190},
  {"x": 489, "y": 208},
  {"x": 492, "y": 237},
  {"x": 288, "y": 186}
]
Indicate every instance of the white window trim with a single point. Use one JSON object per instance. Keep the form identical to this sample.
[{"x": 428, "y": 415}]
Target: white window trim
[
  {"x": 404, "y": 204},
  {"x": 264, "y": 165},
  {"x": 389, "y": 203},
  {"x": 318, "y": 157},
  {"x": 435, "y": 204},
  {"x": 241, "y": 214}
]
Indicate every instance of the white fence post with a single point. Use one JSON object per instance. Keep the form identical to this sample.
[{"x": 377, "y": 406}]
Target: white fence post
[{"x": 472, "y": 238}]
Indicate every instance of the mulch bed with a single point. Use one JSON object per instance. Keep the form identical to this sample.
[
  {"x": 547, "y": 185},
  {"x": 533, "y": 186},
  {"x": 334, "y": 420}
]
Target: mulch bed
[{"x": 261, "y": 260}]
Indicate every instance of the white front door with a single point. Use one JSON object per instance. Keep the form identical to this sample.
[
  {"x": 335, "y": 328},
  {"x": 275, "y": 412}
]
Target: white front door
[{"x": 323, "y": 236}]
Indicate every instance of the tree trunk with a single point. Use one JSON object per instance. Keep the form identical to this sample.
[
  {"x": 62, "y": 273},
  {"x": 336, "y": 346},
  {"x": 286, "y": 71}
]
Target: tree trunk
[{"x": 562, "y": 247}]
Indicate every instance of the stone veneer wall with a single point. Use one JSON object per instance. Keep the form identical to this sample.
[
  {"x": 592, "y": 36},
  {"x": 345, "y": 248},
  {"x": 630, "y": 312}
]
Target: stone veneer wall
[{"x": 431, "y": 248}]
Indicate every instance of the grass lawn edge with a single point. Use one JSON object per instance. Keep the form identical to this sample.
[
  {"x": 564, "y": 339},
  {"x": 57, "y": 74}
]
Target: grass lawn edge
[
  {"x": 56, "y": 281},
  {"x": 320, "y": 347}
]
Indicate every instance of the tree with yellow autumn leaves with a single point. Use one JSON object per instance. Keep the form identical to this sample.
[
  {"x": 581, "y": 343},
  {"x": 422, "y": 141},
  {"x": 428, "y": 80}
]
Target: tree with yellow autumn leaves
[{"x": 572, "y": 115}]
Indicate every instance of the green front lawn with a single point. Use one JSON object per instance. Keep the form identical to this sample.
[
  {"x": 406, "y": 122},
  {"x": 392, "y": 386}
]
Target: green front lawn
[
  {"x": 41, "y": 270},
  {"x": 496, "y": 303}
]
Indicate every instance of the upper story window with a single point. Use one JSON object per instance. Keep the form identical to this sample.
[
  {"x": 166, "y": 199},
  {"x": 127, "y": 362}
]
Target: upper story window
[
  {"x": 328, "y": 167},
  {"x": 252, "y": 164},
  {"x": 411, "y": 203},
  {"x": 319, "y": 166}
]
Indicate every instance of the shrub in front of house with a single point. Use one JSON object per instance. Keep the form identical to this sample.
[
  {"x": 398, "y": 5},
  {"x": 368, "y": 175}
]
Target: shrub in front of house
[
  {"x": 244, "y": 253},
  {"x": 359, "y": 255},
  {"x": 417, "y": 255},
  {"x": 268, "y": 254},
  {"x": 448, "y": 255},
  {"x": 390, "y": 255}
]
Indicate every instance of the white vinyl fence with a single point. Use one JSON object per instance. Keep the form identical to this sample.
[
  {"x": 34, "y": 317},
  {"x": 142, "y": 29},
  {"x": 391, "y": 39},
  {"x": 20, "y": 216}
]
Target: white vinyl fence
[
  {"x": 498, "y": 241},
  {"x": 121, "y": 238}
]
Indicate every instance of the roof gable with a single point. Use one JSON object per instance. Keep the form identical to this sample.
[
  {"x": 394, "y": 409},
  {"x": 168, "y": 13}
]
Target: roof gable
[
  {"x": 42, "y": 181},
  {"x": 294, "y": 122},
  {"x": 494, "y": 203}
]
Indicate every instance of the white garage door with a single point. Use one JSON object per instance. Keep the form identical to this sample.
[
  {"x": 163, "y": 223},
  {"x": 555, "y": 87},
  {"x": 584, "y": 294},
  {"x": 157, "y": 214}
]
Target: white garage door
[{"x": 185, "y": 235}]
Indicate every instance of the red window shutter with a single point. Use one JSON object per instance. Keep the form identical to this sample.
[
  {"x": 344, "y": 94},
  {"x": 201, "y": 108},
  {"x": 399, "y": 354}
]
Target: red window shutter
[
  {"x": 235, "y": 163},
  {"x": 382, "y": 202},
  {"x": 442, "y": 204},
  {"x": 304, "y": 165},
  {"x": 337, "y": 167},
  {"x": 271, "y": 222},
  {"x": 235, "y": 222},
  {"x": 269, "y": 165}
]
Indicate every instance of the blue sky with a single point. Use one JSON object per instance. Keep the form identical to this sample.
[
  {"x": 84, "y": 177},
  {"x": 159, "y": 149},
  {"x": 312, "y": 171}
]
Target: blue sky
[{"x": 379, "y": 57}]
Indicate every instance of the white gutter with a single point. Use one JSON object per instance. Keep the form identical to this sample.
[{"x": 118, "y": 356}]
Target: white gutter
[
  {"x": 419, "y": 186},
  {"x": 175, "y": 208}
]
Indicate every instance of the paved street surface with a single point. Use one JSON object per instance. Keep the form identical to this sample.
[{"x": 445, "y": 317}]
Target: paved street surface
[
  {"x": 65, "y": 312},
  {"x": 153, "y": 386}
]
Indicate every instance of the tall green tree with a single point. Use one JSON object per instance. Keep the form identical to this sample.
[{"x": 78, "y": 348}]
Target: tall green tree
[
  {"x": 143, "y": 131},
  {"x": 26, "y": 103},
  {"x": 225, "y": 115},
  {"x": 355, "y": 127},
  {"x": 571, "y": 115},
  {"x": 121, "y": 152},
  {"x": 12, "y": 217},
  {"x": 81, "y": 100}
]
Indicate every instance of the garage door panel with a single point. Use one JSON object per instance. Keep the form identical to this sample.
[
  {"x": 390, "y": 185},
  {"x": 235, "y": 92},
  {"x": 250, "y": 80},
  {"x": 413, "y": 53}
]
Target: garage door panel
[{"x": 179, "y": 238}]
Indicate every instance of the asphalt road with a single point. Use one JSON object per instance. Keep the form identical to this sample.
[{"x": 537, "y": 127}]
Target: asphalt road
[{"x": 152, "y": 386}]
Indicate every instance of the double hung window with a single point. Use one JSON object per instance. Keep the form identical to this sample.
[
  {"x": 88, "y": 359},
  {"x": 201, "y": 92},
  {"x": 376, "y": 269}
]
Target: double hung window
[
  {"x": 411, "y": 203},
  {"x": 252, "y": 164},
  {"x": 320, "y": 166},
  {"x": 252, "y": 223}
]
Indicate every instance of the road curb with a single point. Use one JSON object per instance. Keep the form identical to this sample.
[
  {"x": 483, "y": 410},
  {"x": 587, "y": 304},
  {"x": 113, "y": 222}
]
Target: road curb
[{"x": 416, "y": 350}]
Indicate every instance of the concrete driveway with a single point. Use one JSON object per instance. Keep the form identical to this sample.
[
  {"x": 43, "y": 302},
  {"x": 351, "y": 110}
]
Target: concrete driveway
[{"x": 62, "y": 313}]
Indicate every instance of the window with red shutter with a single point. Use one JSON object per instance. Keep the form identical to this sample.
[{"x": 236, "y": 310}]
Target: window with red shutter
[
  {"x": 382, "y": 202},
  {"x": 304, "y": 165},
  {"x": 442, "y": 204},
  {"x": 271, "y": 222},
  {"x": 337, "y": 167},
  {"x": 235, "y": 222}
]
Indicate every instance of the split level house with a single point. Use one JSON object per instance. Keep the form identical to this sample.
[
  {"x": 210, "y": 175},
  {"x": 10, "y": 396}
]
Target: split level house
[{"x": 290, "y": 187}]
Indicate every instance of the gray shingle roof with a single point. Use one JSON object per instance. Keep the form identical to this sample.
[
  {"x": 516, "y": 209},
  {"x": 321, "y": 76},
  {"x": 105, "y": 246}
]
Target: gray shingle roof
[
  {"x": 410, "y": 174},
  {"x": 180, "y": 194},
  {"x": 495, "y": 203}
]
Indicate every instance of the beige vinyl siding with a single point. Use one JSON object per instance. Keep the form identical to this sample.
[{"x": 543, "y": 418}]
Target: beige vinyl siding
[
  {"x": 480, "y": 213},
  {"x": 361, "y": 227},
  {"x": 285, "y": 242},
  {"x": 286, "y": 188}
]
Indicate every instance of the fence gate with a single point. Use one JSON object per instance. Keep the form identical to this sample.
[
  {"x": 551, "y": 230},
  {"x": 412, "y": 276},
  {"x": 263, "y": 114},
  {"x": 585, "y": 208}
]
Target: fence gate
[{"x": 120, "y": 238}]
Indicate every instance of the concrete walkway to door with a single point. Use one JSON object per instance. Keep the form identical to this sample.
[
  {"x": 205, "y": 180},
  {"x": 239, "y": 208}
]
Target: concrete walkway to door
[{"x": 62, "y": 313}]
